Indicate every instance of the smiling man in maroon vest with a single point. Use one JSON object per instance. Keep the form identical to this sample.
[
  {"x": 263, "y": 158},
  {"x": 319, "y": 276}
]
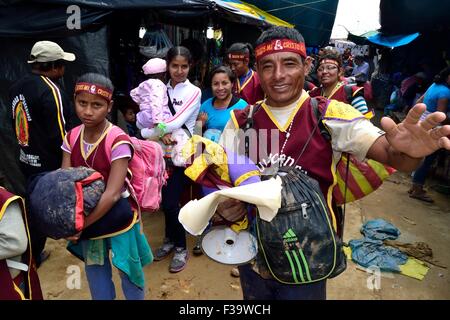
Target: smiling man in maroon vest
[{"x": 283, "y": 123}]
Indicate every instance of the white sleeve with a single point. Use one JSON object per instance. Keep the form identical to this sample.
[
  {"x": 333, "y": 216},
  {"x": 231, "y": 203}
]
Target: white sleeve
[
  {"x": 13, "y": 237},
  {"x": 187, "y": 110},
  {"x": 150, "y": 133},
  {"x": 355, "y": 137}
]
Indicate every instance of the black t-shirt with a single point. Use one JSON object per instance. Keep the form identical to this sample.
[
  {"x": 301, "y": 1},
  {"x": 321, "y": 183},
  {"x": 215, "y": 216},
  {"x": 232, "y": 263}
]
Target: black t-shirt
[
  {"x": 41, "y": 114},
  {"x": 233, "y": 101}
]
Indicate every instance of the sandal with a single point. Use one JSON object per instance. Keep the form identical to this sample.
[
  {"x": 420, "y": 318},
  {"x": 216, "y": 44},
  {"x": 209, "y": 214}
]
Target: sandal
[{"x": 421, "y": 196}]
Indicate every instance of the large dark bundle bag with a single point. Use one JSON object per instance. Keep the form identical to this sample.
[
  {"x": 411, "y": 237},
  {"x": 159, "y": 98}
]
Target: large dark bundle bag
[
  {"x": 62, "y": 198},
  {"x": 300, "y": 245}
]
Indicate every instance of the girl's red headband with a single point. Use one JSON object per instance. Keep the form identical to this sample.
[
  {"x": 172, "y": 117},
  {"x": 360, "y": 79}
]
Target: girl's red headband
[
  {"x": 280, "y": 45},
  {"x": 331, "y": 61},
  {"x": 237, "y": 56},
  {"x": 91, "y": 88}
]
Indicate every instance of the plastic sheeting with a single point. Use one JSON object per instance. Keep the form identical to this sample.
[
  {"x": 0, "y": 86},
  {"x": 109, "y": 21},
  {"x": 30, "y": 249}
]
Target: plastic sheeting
[
  {"x": 314, "y": 19},
  {"x": 409, "y": 16},
  {"x": 130, "y": 4},
  {"x": 33, "y": 20},
  {"x": 370, "y": 251},
  {"x": 392, "y": 41},
  {"x": 247, "y": 10},
  {"x": 92, "y": 55}
]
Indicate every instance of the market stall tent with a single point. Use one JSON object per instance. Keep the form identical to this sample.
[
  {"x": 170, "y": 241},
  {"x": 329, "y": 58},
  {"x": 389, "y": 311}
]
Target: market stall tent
[{"x": 22, "y": 23}]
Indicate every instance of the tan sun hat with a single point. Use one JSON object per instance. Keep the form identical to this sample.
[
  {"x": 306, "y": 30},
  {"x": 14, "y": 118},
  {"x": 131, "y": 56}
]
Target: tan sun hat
[{"x": 46, "y": 51}]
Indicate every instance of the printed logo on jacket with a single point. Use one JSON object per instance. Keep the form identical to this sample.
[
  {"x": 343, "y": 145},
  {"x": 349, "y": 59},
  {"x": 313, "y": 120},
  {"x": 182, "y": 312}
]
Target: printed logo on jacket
[{"x": 21, "y": 116}]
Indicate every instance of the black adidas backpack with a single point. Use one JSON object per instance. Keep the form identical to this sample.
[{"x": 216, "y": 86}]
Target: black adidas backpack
[{"x": 299, "y": 245}]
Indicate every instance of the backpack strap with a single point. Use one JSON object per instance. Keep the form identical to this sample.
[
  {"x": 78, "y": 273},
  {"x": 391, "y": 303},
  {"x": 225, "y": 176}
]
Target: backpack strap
[
  {"x": 351, "y": 92},
  {"x": 113, "y": 133},
  {"x": 347, "y": 169},
  {"x": 111, "y": 136},
  {"x": 315, "y": 105},
  {"x": 319, "y": 116},
  {"x": 173, "y": 112},
  {"x": 73, "y": 135},
  {"x": 248, "y": 125},
  {"x": 348, "y": 93},
  {"x": 327, "y": 135}
]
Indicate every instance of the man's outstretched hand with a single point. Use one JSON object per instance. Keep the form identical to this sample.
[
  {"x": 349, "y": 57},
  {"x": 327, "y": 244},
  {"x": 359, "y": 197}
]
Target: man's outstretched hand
[{"x": 416, "y": 138}]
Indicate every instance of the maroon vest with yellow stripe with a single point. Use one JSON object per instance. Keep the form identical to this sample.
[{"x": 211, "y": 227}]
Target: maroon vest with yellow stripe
[
  {"x": 97, "y": 158},
  {"x": 340, "y": 94},
  {"x": 251, "y": 90},
  {"x": 9, "y": 289},
  {"x": 317, "y": 158}
]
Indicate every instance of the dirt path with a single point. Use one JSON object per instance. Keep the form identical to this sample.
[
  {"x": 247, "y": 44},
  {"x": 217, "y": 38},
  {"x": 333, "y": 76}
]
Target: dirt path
[{"x": 205, "y": 279}]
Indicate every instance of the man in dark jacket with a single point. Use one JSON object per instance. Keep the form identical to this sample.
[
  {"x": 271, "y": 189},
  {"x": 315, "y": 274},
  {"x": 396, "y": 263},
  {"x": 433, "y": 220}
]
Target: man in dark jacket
[{"x": 40, "y": 113}]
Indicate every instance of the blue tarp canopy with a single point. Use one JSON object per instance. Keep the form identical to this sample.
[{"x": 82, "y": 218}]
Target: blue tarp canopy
[
  {"x": 378, "y": 38},
  {"x": 314, "y": 19},
  {"x": 393, "y": 40}
]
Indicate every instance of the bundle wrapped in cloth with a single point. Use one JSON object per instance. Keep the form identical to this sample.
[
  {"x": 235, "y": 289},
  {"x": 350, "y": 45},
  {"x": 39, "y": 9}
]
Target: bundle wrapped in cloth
[
  {"x": 224, "y": 175},
  {"x": 61, "y": 199},
  {"x": 211, "y": 166}
]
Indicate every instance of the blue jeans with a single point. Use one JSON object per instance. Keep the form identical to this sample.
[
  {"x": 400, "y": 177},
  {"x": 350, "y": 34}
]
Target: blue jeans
[
  {"x": 256, "y": 288},
  {"x": 102, "y": 287},
  {"x": 171, "y": 196},
  {"x": 420, "y": 174}
]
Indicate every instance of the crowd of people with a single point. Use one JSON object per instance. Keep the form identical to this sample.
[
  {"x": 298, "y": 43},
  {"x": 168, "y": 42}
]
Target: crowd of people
[{"x": 270, "y": 78}]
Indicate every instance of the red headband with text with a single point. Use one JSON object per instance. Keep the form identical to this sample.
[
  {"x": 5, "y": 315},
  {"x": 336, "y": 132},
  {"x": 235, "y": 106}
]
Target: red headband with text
[
  {"x": 238, "y": 56},
  {"x": 93, "y": 89},
  {"x": 280, "y": 45},
  {"x": 330, "y": 61}
]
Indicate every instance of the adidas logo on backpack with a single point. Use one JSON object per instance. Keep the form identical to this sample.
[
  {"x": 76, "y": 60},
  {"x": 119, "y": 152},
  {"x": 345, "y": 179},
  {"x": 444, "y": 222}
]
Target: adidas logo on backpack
[{"x": 289, "y": 238}]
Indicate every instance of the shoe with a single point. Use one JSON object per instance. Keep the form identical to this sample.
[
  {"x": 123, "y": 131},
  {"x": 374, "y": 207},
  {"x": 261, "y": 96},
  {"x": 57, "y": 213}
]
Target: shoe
[
  {"x": 235, "y": 272},
  {"x": 421, "y": 196},
  {"x": 417, "y": 192},
  {"x": 164, "y": 250},
  {"x": 197, "y": 250},
  {"x": 179, "y": 260}
]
